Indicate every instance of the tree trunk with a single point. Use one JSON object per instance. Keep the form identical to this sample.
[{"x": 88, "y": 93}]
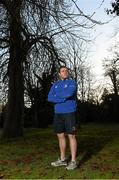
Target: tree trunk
[
  {"x": 13, "y": 126},
  {"x": 114, "y": 82}
]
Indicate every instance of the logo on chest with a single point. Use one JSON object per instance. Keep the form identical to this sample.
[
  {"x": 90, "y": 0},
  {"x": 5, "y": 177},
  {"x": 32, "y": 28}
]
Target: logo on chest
[{"x": 65, "y": 86}]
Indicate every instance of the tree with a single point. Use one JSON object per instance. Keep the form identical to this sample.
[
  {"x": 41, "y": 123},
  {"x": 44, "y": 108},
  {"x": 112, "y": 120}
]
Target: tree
[
  {"x": 115, "y": 8},
  {"x": 77, "y": 60},
  {"x": 37, "y": 91},
  {"x": 19, "y": 38},
  {"x": 111, "y": 66},
  {"x": 25, "y": 27}
]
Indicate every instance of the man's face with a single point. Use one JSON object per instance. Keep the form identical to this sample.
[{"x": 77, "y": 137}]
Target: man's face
[{"x": 64, "y": 73}]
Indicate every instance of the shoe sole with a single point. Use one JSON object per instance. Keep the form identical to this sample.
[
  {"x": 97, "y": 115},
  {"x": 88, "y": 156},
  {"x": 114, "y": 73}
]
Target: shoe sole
[
  {"x": 58, "y": 165},
  {"x": 71, "y": 168}
]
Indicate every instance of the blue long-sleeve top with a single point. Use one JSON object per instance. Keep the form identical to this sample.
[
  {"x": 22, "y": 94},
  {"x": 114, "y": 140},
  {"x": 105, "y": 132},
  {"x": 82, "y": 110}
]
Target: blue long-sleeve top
[{"x": 63, "y": 95}]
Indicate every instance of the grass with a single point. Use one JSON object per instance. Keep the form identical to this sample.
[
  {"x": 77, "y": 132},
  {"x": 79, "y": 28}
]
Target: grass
[{"x": 30, "y": 157}]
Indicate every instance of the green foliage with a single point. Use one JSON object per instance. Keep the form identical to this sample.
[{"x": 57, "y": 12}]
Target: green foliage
[
  {"x": 109, "y": 107},
  {"x": 115, "y": 8},
  {"x": 30, "y": 157},
  {"x": 88, "y": 112}
]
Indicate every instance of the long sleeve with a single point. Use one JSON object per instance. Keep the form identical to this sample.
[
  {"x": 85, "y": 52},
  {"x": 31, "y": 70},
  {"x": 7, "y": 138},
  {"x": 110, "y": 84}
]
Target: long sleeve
[
  {"x": 69, "y": 91},
  {"x": 53, "y": 98}
]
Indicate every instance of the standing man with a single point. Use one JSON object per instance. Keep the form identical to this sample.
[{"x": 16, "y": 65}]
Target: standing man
[{"x": 63, "y": 95}]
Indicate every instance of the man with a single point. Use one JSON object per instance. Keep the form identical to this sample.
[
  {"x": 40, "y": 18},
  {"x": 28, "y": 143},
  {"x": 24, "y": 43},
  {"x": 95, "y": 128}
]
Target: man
[{"x": 63, "y": 95}]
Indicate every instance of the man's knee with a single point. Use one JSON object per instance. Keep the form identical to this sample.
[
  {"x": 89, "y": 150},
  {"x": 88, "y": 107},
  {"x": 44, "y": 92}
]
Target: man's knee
[
  {"x": 61, "y": 135},
  {"x": 71, "y": 136}
]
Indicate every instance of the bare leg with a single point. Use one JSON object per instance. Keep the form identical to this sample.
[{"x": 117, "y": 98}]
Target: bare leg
[
  {"x": 62, "y": 145},
  {"x": 73, "y": 146}
]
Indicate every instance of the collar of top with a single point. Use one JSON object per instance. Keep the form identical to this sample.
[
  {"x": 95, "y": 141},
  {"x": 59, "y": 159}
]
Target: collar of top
[{"x": 64, "y": 79}]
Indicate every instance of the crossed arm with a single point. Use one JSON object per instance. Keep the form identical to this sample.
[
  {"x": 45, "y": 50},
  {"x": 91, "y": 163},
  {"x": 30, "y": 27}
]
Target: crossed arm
[
  {"x": 53, "y": 98},
  {"x": 67, "y": 92},
  {"x": 62, "y": 96}
]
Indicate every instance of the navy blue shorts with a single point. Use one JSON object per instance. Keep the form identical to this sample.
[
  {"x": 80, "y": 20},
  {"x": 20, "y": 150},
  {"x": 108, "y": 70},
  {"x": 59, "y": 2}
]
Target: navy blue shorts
[{"x": 65, "y": 123}]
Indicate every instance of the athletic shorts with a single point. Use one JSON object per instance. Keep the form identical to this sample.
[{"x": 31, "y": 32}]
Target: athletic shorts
[{"x": 65, "y": 123}]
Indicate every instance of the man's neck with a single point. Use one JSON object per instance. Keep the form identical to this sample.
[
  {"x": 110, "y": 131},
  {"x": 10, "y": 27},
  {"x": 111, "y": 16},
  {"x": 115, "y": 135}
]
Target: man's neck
[{"x": 63, "y": 79}]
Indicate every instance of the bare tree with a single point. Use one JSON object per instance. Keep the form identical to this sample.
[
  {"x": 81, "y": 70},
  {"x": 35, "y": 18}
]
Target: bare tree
[
  {"x": 77, "y": 58},
  {"x": 111, "y": 66},
  {"x": 25, "y": 27}
]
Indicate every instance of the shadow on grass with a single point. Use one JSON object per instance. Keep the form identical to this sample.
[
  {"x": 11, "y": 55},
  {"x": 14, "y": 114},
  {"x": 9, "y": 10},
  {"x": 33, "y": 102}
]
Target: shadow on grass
[{"x": 89, "y": 146}]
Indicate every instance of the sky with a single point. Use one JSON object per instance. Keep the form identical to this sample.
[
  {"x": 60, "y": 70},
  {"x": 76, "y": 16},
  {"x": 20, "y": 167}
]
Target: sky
[{"x": 104, "y": 34}]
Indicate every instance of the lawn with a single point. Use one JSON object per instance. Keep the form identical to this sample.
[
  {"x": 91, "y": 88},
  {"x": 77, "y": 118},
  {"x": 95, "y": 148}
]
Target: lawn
[{"x": 30, "y": 157}]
